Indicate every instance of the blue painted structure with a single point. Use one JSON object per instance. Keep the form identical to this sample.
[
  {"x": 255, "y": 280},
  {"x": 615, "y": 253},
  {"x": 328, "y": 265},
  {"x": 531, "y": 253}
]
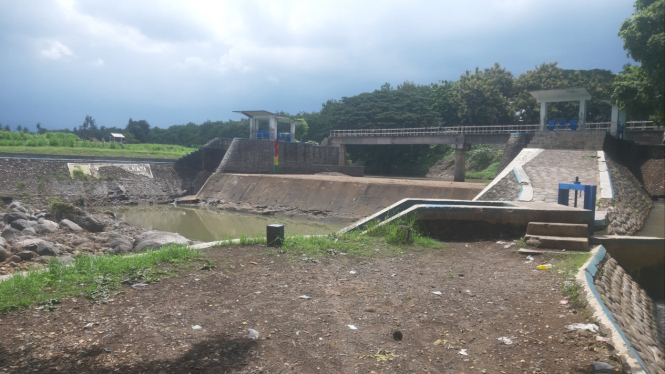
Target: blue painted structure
[{"x": 589, "y": 197}]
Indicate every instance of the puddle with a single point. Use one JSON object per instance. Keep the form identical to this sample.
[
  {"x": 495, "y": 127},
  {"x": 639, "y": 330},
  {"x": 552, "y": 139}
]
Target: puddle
[{"x": 211, "y": 225}]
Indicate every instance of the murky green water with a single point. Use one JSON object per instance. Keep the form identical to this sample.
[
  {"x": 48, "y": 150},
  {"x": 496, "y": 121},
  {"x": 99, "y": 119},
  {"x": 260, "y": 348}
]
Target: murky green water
[
  {"x": 211, "y": 225},
  {"x": 655, "y": 224}
]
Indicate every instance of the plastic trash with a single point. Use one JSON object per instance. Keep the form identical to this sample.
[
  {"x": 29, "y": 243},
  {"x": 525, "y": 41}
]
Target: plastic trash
[
  {"x": 197, "y": 327},
  {"x": 529, "y": 259},
  {"x": 563, "y": 302},
  {"x": 136, "y": 285},
  {"x": 544, "y": 267},
  {"x": 252, "y": 334},
  {"x": 438, "y": 293},
  {"x": 600, "y": 339},
  {"x": 106, "y": 350},
  {"x": 88, "y": 325},
  {"x": 583, "y": 326},
  {"x": 352, "y": 327},
  {"x": 462, "y": 352},
  {"x": 352, "y": 272},
  {"x": 506, "y": 340},
  {"x": 305, "y": 297}
]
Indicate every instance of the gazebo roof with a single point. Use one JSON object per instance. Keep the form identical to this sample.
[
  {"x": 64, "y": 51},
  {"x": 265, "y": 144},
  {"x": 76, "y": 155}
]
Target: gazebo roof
[
  {"x": 254, "y": 113},
  {"x": 561, "y": 94}
]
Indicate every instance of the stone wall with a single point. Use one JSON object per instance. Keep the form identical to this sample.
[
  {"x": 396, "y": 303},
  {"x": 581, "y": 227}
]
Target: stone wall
[
  {"x": 207, "y": 157},
  {"x": 257, "y": 157},
  {"x": 515, "y": 144},
  {"x": 507, "y": 189},
  {"x": 631, "y": 205},
  {"x": 39, "y": 181},
  {"x": 634, "y": 312}
]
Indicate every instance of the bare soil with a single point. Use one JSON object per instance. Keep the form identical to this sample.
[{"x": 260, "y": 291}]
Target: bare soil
[{"x": 488, "y": 292}]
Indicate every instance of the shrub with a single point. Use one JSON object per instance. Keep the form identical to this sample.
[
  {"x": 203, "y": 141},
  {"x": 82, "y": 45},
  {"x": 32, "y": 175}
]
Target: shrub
[
  {"x": 20, "y": 185},
  {"x": 79, "y": 174},
  {"x": 60, "y": 210}
]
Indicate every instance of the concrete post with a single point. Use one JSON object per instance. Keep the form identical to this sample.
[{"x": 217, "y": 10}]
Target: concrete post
[
  {"x": 273, "y": 127},
  {"x": 460, "y": 161},
  {"x": 543, "y": 116},
  {"x": 622, "y": 123},
  {"x": 342, "y": 155},
  {"x": 293, "y": 131},
  {"x": 252, "y": 128},
  {"x": 582, "y": 116},
  {"x": 614, "y": 121}
]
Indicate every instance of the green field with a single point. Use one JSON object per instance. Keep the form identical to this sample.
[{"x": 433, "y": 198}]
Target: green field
[{"x": 68, "y": 144}]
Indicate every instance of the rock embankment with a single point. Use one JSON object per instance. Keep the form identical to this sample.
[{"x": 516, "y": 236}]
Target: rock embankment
[
  {"x": 634, "y": 311},
  {"x": 31, "y": 237},
  {"x": 631, "y": 205}
]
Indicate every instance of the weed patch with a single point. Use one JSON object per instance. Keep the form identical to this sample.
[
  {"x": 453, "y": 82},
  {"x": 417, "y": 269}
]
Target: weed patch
[{"x": 96, "y": 277}]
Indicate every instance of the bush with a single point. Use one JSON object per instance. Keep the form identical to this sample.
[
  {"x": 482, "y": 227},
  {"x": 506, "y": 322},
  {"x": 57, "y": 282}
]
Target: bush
[
  {"x": 20, "y": 185},
  {"x": 79, "y": 174},
  {"x": 60, "y": 210}
]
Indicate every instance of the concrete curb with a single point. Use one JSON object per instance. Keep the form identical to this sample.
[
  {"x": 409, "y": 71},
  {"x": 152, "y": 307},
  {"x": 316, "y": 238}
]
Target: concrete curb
[
  {"x": 600, "y": 312},
  {"x": 606, "y": 188},
  {"x": 526, "y": 189}
]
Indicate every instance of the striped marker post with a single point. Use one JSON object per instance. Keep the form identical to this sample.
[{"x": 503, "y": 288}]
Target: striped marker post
[{"x": 276, "y": 169}]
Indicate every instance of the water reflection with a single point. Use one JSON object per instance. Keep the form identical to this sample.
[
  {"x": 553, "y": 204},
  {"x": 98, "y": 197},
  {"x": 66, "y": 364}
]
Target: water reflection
[{"x": 210, "y": 225}]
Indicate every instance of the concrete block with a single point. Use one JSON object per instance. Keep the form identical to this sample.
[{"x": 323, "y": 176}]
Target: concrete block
[
  {"x": 558, "y": 229},
  {"x": 275, "y": 235},
  {"x": 560, "y": 242}
]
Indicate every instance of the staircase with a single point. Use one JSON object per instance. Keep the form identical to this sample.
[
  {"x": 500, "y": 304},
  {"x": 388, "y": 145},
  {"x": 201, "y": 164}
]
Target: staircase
[
  {"x": 568, "y": 236},
  {"x": 575, "y": 140}
]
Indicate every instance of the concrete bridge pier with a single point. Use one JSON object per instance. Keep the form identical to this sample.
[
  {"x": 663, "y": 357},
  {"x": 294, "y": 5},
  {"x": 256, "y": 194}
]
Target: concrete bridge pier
[
  {"x": 342, "y": 155},
  {"x": 460, "y": 160}
]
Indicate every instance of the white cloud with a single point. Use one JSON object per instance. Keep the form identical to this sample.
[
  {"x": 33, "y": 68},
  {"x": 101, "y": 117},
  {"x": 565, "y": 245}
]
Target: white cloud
[
  {"x": 99, "y": 62},
  {"x": 56, "y": 50}
]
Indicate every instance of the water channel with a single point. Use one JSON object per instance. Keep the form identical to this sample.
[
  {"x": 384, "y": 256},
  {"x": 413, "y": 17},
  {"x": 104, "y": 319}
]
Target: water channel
[{"x": 210, "y": 225}]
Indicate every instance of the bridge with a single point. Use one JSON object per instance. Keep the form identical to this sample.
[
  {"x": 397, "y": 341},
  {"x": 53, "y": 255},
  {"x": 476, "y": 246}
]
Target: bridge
[{"x": 458, "y": 138}]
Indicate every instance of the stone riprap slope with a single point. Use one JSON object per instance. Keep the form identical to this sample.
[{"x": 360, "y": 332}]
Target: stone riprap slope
[
  {"x": 634, "y": 311},
  {"x": 32, "y": 237},
  {"x": 39, "y": 181},
  {"x": 507, "y": 189},
  {"x": 653, "y": 174},
  {"x": 631, "y": 205}
]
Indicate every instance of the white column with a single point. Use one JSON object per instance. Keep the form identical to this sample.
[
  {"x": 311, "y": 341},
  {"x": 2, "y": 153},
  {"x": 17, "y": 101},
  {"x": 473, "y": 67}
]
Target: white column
[
  {"x": 582, "y": 116},
  {"x": 543, "y": 116},
  {"x": 273, "y": 127},
  {"x": 293, "y": 131},
  {"x": 252, "y": 128},
  {"x": 614, "y": 121}
]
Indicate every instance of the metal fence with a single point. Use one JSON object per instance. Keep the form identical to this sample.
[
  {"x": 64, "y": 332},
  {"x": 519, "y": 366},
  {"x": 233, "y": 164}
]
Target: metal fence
[{"x": 490, "y": 129}]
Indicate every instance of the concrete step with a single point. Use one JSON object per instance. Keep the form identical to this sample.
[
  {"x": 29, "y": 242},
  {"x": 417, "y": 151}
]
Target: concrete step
[
  {"x": 558, "y": 229},
  {"x": 560, "y": 242}
]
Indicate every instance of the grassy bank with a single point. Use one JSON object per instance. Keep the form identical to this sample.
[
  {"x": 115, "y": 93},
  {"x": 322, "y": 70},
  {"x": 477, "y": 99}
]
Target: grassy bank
[
  {"x": 131, "y": 150},
  {"x": 95, "y": 277},
  {"x": 60, "y": 143}
]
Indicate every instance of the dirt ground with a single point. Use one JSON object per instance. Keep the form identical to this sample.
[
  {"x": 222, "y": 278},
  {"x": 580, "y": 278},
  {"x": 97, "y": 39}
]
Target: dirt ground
[{"x": 487, "y": 292}]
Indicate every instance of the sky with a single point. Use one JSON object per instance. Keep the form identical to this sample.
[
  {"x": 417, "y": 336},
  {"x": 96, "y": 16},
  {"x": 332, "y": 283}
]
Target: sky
[{"x": 174, "y": 62}]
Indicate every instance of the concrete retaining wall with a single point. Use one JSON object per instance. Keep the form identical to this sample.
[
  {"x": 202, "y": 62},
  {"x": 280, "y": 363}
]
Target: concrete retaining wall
[
  {"x": 345, "y": 197},
  {"x": 515, "y": 144},
  {"x": 207, "y": 158},
  {"x": 38, "y": 181},
  {"x": 257, "y": 157}
]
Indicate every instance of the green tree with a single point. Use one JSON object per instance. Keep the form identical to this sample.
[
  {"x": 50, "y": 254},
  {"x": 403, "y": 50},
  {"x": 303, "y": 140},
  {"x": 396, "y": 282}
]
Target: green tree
[
  {"x": 140, "y": 130},
  {"x": 19, "y": 128},
  {"x": 445, "y": 101},
  {"x": 542, "y": 77},
  {"x": 480, "y": 98},
  {"x": 644, "y": 39}
]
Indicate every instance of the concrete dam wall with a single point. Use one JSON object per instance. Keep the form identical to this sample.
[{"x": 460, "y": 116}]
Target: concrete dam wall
[{"x": 321, "y": 195}]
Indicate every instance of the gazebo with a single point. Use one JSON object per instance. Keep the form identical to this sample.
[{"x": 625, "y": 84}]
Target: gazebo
[
  {"x": 115, "y": 137},
  {"x": 256, "y": 115},
  {"x": 580, "y": 94}
]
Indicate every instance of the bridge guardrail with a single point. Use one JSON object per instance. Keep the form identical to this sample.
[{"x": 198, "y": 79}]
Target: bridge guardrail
[{"x": 489, "y": 129}]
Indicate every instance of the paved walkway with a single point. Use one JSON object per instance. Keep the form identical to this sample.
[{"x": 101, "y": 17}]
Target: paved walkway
[{"x": 553, "y": 166}]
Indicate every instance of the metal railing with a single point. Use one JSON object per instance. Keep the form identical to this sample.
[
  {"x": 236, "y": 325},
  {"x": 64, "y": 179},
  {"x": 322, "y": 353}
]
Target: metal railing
[
  {"x": 454, "y": 130},
  {"x": 490, "y": 129}
]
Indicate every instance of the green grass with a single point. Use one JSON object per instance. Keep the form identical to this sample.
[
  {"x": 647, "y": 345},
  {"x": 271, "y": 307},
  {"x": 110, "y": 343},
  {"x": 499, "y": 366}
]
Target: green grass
[
  {"x": 131, "y": 150},
  {"x": 60, "y": 143},
  {"x": 570, "y": 264},
  {"x": 96, "y": 277},
  {"x": 489, "y": 173}
]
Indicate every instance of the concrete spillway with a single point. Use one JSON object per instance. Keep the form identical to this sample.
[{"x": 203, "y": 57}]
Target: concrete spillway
[{"x": 340, "y": 196}]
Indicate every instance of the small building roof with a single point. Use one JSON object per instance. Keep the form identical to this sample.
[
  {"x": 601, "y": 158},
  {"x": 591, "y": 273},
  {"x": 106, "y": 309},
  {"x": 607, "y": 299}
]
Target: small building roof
[
  {"x": 561, "y": 94},
  {"x": 116, "y": 135},
  {"x": 254, "y": 113}
]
